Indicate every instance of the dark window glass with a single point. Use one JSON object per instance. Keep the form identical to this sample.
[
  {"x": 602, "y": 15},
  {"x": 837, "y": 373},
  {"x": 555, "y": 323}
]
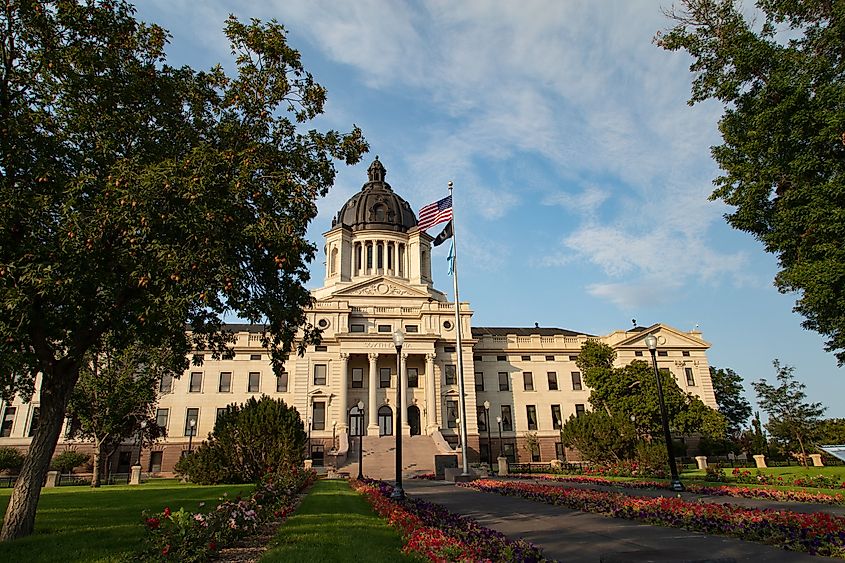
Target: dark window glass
[
  {"x": 482, "y": 418},
  {"x": 319, "y": 374},
  {"x": 412, "y": 328},
  {"x": 477, "y": 358},
  {"x": 33, "y": 423},
  {"x": 535, "y": 452},
  {"x": 196, "y": 382},
  {"x": 690, "y": 376},
  {"x": 451, "y": 378},
  {"x": 509, "y": 452},
  {"x": 685, "y": 353},
  {"x": 282, "y": 382},
  {"x": 662, "y": 353},
  {"x": 221, "y": 411},
  {"x": 8, "y": 422},
  {"x": 638, "y": 352},
  {"x": 161, "y": 418},
  {"x": 559, "y": 451},
  {"x": 507, "y": 419},
  {"x": 384, "y": 378},
  {"x": 579, "y": 410},
  {"x": 413, "y": 377},
  {"x": 356, "y": 328},
  {"x": 448, "y": 349},
  {"x": 526, "y": 358},
  {"x": 254, "y": 384},
  {"x": 501, "y": 358},
  {"x": 552, "y": 375},
  {"x": 557, "y": 419},
  {"x": 155, "y": 461},
  {"x": 357, "y": 378},
  {"x": 576, "y": 381},
  {"x": 318, "y": 420},
  {"x": 166, "y": 385},
  {"x": 528, "y": 381},
  {"x": 384, "y": 328},
  {"x": 479, "y": 381},
  {"x": 531, "y": 414},
  {"x": 452, "y": 413},
  {"x": 550, "y": 358},
  {"x": 191, "y": 415},
  {"x": 573, "y": 358},
  {"x": 255, "y": 356},
  {"x": 321, "y": 348},
  {"x": 225, "y": 382},
  {"x": 504, "y": 382}
]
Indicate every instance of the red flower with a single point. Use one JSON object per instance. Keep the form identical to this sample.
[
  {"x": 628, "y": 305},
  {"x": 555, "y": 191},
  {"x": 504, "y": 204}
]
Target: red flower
[
  {"x": 166, "y": 550},
  {"x": 152, "y": 523},
  {"x": 167, "y": 512},
  {"x": 212, "y": 545}
]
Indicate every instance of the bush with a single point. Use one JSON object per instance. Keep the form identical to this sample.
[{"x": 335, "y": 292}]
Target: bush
[
  {"x": 68, "y": 459},
  {"x": 11, "y": 460},
  {"x": 715, "y": 474},
  {"x": 247, "y": 441}
]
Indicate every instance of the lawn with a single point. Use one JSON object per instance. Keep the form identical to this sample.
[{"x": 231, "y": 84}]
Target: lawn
[
  {"x": 85, "y": 524},
  {"x": 334, "y": 523}
]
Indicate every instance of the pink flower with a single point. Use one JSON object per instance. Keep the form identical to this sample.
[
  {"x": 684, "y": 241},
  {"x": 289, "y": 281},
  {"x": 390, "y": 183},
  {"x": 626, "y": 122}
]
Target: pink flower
[{"x": 167, "y": 512}]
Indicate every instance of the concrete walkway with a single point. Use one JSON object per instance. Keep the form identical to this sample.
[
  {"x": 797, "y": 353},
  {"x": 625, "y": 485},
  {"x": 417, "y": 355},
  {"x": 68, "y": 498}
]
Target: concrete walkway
[{"x": 573, "y": 536}]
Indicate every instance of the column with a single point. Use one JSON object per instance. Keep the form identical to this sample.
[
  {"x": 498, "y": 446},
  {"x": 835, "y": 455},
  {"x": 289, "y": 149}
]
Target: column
[
  {"x": 403, "y": 381},
  {"x": 372, "y": 408},
  {"x": 342, "y": 392},
  {"x": 430, "y": 395}
]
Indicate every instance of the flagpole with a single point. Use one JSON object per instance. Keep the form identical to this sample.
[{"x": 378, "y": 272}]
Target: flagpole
[{"x": 462, "y": 403}]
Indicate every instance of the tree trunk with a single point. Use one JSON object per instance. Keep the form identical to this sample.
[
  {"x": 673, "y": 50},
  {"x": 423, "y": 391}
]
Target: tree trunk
[
  {"x": 56, "y": 386},
  {"x": 803, "y": 453},
  {"x": 98, "y": 461}
]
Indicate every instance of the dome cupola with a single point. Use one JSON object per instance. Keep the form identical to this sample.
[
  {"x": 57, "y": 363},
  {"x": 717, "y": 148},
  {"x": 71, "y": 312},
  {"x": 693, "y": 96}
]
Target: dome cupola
[{"x": 376, "y": 206}]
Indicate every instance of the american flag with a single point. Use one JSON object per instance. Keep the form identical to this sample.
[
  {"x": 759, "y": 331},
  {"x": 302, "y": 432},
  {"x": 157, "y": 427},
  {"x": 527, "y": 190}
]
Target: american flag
[{"x": 434, "y": 213}]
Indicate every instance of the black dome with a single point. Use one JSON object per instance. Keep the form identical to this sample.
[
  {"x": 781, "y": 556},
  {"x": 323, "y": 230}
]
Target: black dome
[{"x": 376, "y": 206}]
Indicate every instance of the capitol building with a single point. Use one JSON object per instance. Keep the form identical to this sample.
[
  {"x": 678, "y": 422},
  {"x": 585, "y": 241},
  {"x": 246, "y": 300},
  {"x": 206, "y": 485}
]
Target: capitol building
[{"x": 520, "y": 382}]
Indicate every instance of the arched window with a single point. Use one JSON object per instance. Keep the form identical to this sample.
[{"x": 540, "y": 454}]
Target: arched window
[
  {"x": 358, "y": 253},
  {"x": 390, "y": 256},
  {"x": 401, "y": 259},
  {"x": 380, "y": 256},
  {"x": 369, "y": 255},
  {"x": 356, "y": 421},
  {"x": 333, "y": 261},
  {"x": 385, "y": 421},
  {"x": 378, "y": 213}
]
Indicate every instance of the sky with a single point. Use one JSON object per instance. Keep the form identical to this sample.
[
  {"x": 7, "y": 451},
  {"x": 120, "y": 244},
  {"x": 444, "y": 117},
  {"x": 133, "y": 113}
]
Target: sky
[{"x": 581, "y": 175}]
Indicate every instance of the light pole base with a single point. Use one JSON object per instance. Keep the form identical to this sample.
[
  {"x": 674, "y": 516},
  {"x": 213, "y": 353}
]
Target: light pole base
[
  {"x": 398, "y": 493},
  {"x": 677, "y": 486}
]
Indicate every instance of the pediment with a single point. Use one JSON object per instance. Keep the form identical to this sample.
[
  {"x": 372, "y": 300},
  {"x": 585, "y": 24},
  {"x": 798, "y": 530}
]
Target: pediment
[
  {"x": 667, "y": 337},
  {"x": 380, "y": 287}
]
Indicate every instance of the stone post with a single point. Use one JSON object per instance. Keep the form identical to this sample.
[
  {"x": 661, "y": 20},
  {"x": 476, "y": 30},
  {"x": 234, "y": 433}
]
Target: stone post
[
  {"x": 402, "y": 379},
  {"x": 760, "y": 460},
  {"x": 342, "y": 392},
  {"x": 372, "y": 409},
  {"x": 52, "y": 479},
  {"x": 503, "y": 466},
  {"x": 135, "y": 475},
  {"x": 430, "y": 395},
  {"x": 817, "y": 460},
  {"x": 701, "y": 460}
]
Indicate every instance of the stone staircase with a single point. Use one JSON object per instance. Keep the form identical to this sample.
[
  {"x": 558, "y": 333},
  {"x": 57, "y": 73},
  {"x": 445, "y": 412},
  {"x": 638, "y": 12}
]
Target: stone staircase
[{"x": 380, "y": 456}]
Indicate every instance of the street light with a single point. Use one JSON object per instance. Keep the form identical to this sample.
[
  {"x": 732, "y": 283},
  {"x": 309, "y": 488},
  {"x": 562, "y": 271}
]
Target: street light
[
  {"x": 141, "y": 439},
  {"x": 651, "y": 343},
  {"x": 398, "y": 341},
  {"x": 499, "y": 421},
  {"x": 192, "y": 424},
  {"x": 334, "y": 435},
  {"x": 487, "y": 424},
  {"x": 360, "y": 426}
]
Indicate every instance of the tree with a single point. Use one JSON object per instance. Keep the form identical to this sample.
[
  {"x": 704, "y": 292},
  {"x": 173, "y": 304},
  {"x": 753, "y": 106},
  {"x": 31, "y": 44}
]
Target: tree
[
  {"x": 600, "y": 437},
  {"x": 247, "y": 441},
  {"x": 116, "y": 396},
  {"x": 783, "y": 156},
  {"x": 831, "y": 431},
  {"x": 791, "y": 418},
  {"x": 727, "y": 386},
  {"x": 632, "y": 391},
  {"x": 753, "y": 440},
  {"x": 66, "y": 461},
  {"x": 138, "y": 197}
]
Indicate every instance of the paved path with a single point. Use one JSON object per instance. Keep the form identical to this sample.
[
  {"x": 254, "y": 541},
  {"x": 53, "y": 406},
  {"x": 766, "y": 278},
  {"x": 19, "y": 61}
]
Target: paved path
[{"x": 572, "y": 536}]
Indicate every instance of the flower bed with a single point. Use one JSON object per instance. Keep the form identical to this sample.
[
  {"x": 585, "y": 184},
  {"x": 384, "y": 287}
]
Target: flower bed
[
  {"x": 431, "y": 531},
  {"x": 760, "y": 478},
  {"x": 196, "y": 536},
  {"x": 713, "y": 490},
  {"x": 818, "y": 533}
]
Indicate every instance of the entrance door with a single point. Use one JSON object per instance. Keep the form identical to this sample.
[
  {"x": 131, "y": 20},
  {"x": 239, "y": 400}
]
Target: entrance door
[
  {"x": 356, "y": 422},
  {"x": 414, "y": 420},
  {"x": 385, "y": 421}
]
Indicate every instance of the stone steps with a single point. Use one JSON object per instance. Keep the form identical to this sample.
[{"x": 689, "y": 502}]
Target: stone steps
[{"x": 379, "y": 456}]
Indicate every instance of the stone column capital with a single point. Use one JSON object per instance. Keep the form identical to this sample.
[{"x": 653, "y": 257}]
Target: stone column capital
[
  {"x": 373, "y": 356},
  {"x": 430, "y": 357},
  {"x": 405, "y": 355},
  {"x": 344, "y": 356}
]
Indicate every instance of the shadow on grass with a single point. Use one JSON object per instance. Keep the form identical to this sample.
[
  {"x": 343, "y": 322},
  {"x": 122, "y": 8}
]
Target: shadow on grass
[{"x": 334, "y": 523}]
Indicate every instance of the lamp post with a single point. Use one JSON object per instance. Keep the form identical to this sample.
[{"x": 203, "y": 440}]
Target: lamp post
[
  {"x": 651, "y": 343},
  {"x": 398, "y": 341},
  {"x": 360, "y": 426},
  {"x": 141, "y": 439},
  {"x": 487, "y": 424},
  {"x": 499, "y": 421},
  {"x": 334, "y": 435},
  {"x": 192, "y": 424},
  {"x": 458, "y": 422}
]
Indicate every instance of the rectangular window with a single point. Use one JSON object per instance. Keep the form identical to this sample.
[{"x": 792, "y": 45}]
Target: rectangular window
[
  {"x": 318, "y": 419},
  {"x": 161, "y": 418},
  {"x": 155, "y": 461},
  {"x": 8, "y": 422},
  {"x": 33, "y": 422},
  {"x": 413, "y": 377},
  {"x": 191, "y": 421},
  {"x": 557, "y": 418},
  {"x": 526, "y": 358},
  {"x": 452, "y": 413},
  {"x": 531, "y": 414},
  {"x": 527, "y": 381},
  {"x": 282, "y": 382},
  {"x": 559, "y": 451},
  {"x": 535, "y": 452},
  {"x": 254, "y": 384},
  {"x": 550, "y": 358},
  {"x": 196, "y": 382},
  {"x": 384, "y": 378},
  {"x": 357, "y": 378},
  {"x": 509, "y": 452},
  {"x": 384, "y": 328},
  {"x": 638, "y": 353},
  {"x": 225, "y": 382},
  {"x": 552, "y": 375},
  {"x": 579, "y": 409},
  {"x": 479, "y": 381},
  {"x": 665, "y": 371},
  {"x": 412, "y": 328},
  {"x": 507, "y": 419},
  {"x": 690, "y": 376},
  {"x": 451, "y": 377},
  {"x": 573, "y": 358},
  {"x": 685, "y": 353},
  {"x": 477, "y": 358},
  {"x": 482, "y": 418},
  {"x": 501, "y": 358},
  {"x": 319, "y": 374},
  {"x": 449, "y": 349},
  {"x": 166, "y": 385},
  {"x": 662, "y": 353},
  {"x": 255, "y": 357},
  {"x": 504, "y": 382},
  {"x": 321, "y": 348},
  {"x": 576, "y": 381},
  {"x": 220, "y": 412},
  {"x": 356, "y": 328}
]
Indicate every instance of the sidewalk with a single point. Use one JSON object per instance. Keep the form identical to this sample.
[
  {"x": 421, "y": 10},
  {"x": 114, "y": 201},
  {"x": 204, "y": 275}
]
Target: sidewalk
[{"x": 572, "y": 536}]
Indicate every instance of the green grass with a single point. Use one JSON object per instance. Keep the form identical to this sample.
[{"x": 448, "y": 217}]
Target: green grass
[
  {"x": 334, "y": 523},
  {"x": 95, "y": 525}
]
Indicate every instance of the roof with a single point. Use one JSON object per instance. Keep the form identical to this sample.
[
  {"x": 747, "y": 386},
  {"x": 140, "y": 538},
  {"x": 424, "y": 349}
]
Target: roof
[{"x": 523, "y": 331}]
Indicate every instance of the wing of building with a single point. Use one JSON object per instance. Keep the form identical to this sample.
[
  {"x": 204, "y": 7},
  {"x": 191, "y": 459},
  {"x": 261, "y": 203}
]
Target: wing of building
[{"x": 378, "y": 280}]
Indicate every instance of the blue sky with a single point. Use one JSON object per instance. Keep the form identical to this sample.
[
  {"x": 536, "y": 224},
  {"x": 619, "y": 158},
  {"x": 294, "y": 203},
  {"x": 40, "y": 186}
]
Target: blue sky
[{"x": 581, "y": 175}]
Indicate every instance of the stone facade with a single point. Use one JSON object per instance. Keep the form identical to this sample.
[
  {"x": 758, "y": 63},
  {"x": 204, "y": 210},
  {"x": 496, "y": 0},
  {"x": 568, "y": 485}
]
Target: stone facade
[{"x": 377, "y": 281}]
